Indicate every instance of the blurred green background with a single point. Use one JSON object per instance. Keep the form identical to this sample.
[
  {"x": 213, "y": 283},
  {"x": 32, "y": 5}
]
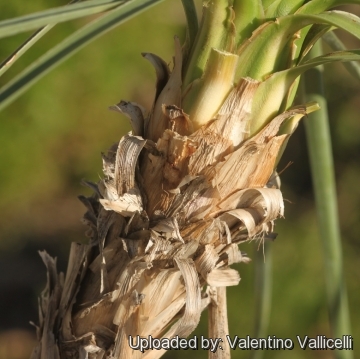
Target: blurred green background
[{"x": 51, "y": 138}]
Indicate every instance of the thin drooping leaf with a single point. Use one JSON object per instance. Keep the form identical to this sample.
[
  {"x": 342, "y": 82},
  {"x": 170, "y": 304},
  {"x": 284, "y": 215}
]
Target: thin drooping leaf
[
  {"x": 314, "y": 34},
  {"x": 336, "y": 44},
  {"x": 36, "y": 36},
  {"x": 69, "y": 46},
  {"x": 57, "y": 15},
  {"x": 12, "y": 58}
]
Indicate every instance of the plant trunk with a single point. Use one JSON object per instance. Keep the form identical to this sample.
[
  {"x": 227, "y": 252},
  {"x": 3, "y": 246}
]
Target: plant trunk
[
  {"x": 165, "y": 222},
  {"x": 177, "y": 198},
  {"x": 194, "y": 179}
]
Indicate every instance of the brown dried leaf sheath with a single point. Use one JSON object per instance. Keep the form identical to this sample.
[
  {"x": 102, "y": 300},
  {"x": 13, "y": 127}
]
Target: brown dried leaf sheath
[{"x": 164, "y": 222}]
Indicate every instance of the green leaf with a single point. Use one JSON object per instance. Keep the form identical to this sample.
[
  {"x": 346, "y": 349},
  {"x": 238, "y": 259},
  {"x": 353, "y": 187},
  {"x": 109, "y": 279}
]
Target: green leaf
[
  {"x": 335, "y": 43},
  {"x": 35, "y": 37},
  {"x": 313, "y": 35},
  {"x": 10, "y": 60},
  {"x": 283, "y": 7},
  {"x": 264, "y": 53},
  {"x": 249, "y": 14},
  {"x": 70, "y": 46},
  {"x": 205, "y": 95},
  {"x": 271, "y": 93},
  {"x": 191, "y": 19},
  {"x": 318, "y": 6},
  {"x": 289, "y": 126},
  {"x": 216, "y": 31},
  {"x": 60, "y": 14},
  {"x": 266, "y": 3}
]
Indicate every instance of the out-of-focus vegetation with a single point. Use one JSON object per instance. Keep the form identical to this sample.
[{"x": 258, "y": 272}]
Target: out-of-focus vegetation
[{"x": 51, "y": 138}]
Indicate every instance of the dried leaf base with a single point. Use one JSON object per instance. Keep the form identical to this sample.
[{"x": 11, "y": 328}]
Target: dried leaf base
[{"x": 164, "y": 224}]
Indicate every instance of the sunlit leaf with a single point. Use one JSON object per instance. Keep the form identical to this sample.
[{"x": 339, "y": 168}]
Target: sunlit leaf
[{"x": 271, "y": 93}]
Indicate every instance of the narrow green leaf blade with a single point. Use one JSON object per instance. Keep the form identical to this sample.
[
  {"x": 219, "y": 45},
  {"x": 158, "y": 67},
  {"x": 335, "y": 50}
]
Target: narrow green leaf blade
[
  {"x": 35, "y": 37},
  {"x": 264, "y": 53},
  {"x": 70, "y": 46},
  {"x": 318, "y": 6},
  {"x": 10, "y": 60},
  {"x": 336, "y": 44},
  {"x": 323, "y": 178},
  {"x": 191, "y": 19},
  {"x": 60, "y": 14},
  {"x": 313, "y": 35},
  {"x": 272, "y": 92}
]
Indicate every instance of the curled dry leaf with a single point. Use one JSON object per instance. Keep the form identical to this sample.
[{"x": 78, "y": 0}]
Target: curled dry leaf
[{"x": 135, "y": 113}]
